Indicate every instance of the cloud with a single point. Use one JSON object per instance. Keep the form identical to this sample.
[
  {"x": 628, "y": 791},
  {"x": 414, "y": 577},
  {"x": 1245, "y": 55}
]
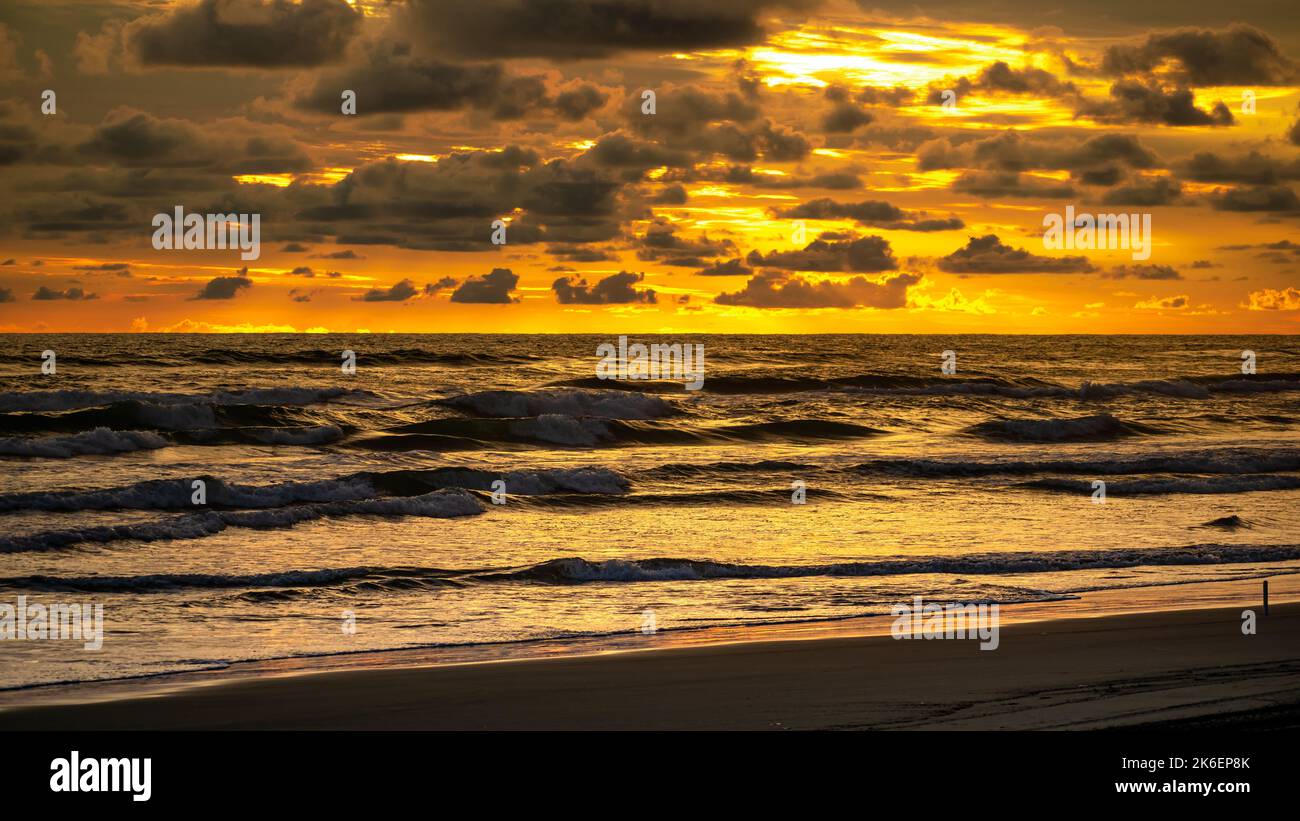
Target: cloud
[
  {"x": 660, "y": 243},
  {"x": 224, "y": 287},
  {"x": 988, "y": 255},
  {"x": 1239, "y": 55},
  {"x": 1144, "y": 191},
  {"x": 44, "y": 293},
  {"x": 780, "y": 289},
  {"x": 7, "y": 295},
  {"x": 616, "y": 289},
  {"x": 730, "y": 268},
  {"x": 864, "y": 254},
  {"x": 1273, "y": 299},
  {"x": 246, "y": 34},
  {"x": 875, "y": 213},
  {"x": 390, "y": 78},
  {"x": 584, "y": 29},
  {"x": 1133, "y": 101},
  {"x": 492, "y": 288},
  {"x": 1256, "y": 198},
  {"x": 1142, "y": 272},
  {"x": 121, "y": 269},
  {"x": 431, "y": 288},
  {"x": 1253, "y": 168},
  {"x": 1168, "y": 303},
  {"x": 399, "y": 292}
]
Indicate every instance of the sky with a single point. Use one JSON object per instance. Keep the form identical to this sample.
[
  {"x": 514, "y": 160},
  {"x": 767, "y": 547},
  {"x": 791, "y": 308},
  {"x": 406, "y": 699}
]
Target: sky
[{"x": 650, "y": 166}]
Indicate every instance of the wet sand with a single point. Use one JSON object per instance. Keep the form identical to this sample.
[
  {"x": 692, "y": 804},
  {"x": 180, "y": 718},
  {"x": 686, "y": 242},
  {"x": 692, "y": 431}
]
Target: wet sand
[{"x": 1115, "y": 670}]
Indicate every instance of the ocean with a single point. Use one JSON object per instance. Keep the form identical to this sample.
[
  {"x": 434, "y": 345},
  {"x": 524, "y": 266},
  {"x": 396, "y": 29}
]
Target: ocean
[{"x": 809, "y": 478}]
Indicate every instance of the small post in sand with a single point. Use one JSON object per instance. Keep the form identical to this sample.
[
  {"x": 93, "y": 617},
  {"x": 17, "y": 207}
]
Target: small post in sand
[{"x": 1266, "y": 597}]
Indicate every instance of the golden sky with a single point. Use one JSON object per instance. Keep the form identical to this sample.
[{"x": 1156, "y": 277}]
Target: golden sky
[{"x": 808, "y": 166}]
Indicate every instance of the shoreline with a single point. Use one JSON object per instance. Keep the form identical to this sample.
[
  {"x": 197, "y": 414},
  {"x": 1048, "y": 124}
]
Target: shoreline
[{"x": 418, "y": 688}]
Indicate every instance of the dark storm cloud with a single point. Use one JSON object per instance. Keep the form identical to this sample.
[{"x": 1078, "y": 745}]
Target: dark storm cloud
[
  {"x": 730, "y": 268},
  {"x": 1257, "y": 198},
  {"x": 399, "y": 292},
  {"x": 129, "y": 137},
  {"x": 875, "y": 213},
  {"x": 1241, "y": 55},
  {"x": 1099, "y": 160},
  {"x": 576, "y": 103},
  {"x": 450, "y": 205},
  {"x": 584, "y": 29},
  {"x": 389, "y": 78},
  {"x": 44, "y": 293},
  {"x": 864, "y": 254},
  {"x": 224, "y": 287},
  {"x": 1253, "y": 168},
  {"x": 621, "y": 151},
  {"x": 616, "y": 289},
  {"x": 723, "y": 123},
  {"x": 492, "y": 288},
  {"x": 1155, "y": 191},
  {"x": 441, "y": 285},
  {"x": 1000, "y": 78},
  {"x": 988, "y": 255},
  {"x": 1134, "y": 101},
  {"x": 993, "y": 185},
  {"x": 246, "y": 33},
  {"x": 660, "y": 243},
  {"x": 780, "y": 289},
  {"x": 579, "y": 253}
]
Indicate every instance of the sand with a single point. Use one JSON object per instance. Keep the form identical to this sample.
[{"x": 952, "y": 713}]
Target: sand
[{"x": 1112, "y": 670}]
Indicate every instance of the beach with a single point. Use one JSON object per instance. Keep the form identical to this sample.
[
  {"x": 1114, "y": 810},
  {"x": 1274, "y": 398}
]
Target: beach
[{"x": 1111, "y": 669}]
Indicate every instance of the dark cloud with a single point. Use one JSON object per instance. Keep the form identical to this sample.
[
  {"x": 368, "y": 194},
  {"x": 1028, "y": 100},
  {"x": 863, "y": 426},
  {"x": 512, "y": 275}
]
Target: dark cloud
[
  {"x": 995, "y": 185},
  {"x": 492, "y": 288},
  {"x": 864, "y": 254},
  {"x": 1098, "y": 160},
  {"x": 441, "y": 285},
  {"x": 1142, "y": 272},
  {"x": 780, "y": 289},
  {"x": 399, "y": 292},
  {"x": 1134, "y": 101},
  {"x": 1000, "y": 78},
  {"x": 1240, "y": 55},
  {"x": 988, "y": 255},
  {"x": 1256, "y": 198},
  {"x": 616, "y": 289},
  {"x": 1153, "y": 191},
  {"x": 246, "y": 33},
  {"x": 44, "y": 293},
  {"x": 579, "y": 253},
  {"x": 576, "y": 103},
  {"x": 121, "y": 269},
  {"x": 1253, "y": 168},
  {"x": 660, "y": 243},
  {"x": 7, "y": 295},
  {"x": 584, "y": 29},
  {"x": 875, "y": 213},
  {"x": 730, "y": 268},
  {"x": 224, "y": 287},
  {"x": 389, "y": 78}
]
